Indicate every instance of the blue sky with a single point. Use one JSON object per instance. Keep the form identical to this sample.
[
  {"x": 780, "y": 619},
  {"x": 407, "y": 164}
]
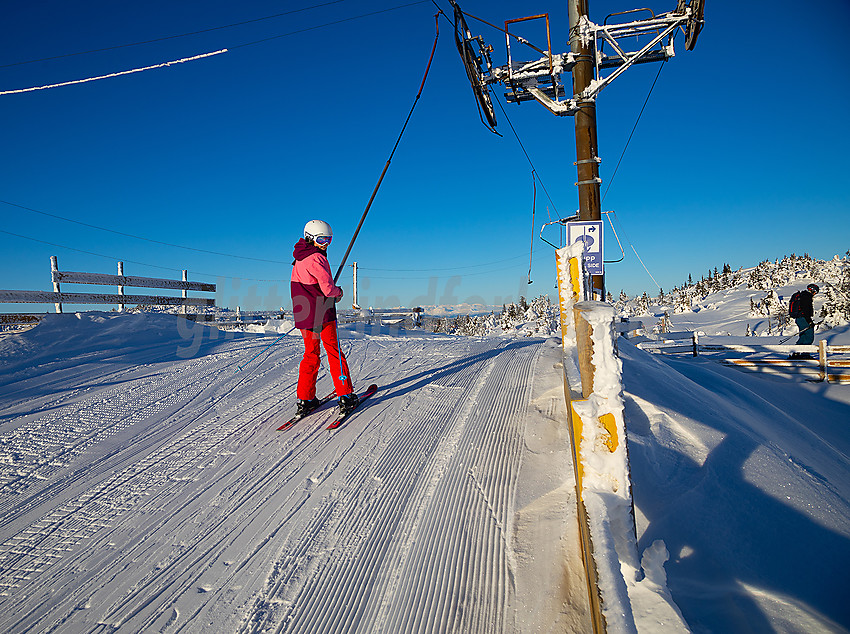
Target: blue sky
[{"x": 739, "y": 156}]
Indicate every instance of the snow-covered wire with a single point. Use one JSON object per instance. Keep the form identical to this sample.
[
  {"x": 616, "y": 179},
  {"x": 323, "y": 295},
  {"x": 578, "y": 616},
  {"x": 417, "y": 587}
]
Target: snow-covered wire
[
  {"x": 635, "y": 250},
  {"x": 174, "y": 37},
  {"x": 644, "y": 266},
  {"x": 110, "y": 75}
]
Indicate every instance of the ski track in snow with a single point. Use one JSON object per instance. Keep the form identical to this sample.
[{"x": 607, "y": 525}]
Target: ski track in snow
[{"x": 153, "y": 494}]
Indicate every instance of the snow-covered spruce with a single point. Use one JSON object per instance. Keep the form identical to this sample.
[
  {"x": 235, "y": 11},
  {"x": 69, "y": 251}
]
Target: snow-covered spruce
[
  {"x": 766, "y": 289},
  {"x": 539, "y": 319}
]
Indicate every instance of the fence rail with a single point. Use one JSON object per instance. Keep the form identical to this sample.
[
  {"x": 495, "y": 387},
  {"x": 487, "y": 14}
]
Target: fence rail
[
  {"x": 826, "y": 363},
  {"x": 104, "y": 279},
  {"x": 57, "y": 297},
  {"x": 671, "y": 343},
  {"x": 819, "y": 368},
  {"x": 52, "y": 297}
]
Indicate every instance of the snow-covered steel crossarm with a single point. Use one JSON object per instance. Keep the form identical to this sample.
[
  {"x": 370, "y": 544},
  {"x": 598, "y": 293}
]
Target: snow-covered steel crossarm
[
  {"x": 51, "y": 297},
  {"x": 73, "y": 277},
  {"x": 524, "y": 71},
  {"x": 664, "y": 26},
  {"x": 541, "y": 79},
  {"x": 538, "y": 80}
]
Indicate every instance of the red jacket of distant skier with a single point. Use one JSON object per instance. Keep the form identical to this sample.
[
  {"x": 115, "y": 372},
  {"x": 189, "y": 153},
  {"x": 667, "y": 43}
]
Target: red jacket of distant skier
[{"x": 313, "y": 290}]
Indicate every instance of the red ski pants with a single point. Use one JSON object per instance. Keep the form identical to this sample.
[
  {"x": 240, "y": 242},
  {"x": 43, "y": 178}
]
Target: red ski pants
[{"x": 309, "y": 368}]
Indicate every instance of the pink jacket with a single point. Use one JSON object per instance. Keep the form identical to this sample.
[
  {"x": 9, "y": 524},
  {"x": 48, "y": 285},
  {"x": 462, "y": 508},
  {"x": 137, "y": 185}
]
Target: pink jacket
[{"x": 312, "y": 286}]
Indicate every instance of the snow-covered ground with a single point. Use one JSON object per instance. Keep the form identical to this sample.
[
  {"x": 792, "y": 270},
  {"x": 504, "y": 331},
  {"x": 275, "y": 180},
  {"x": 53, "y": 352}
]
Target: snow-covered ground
[
  {"x": 746, "y": 478},
  {"x": 145, "y": 489}
]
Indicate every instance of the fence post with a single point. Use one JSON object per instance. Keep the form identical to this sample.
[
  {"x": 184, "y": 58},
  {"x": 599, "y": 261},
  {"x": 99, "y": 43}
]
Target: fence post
[
  {"x": 121, "y": 288},
  {"x": 696, "y": 344},
  {"x": 355, "y": 305},
  {"x": 822, "y": 360},
  {"x": 54, "y": 271},
  {"x": 185, "y": 292}
]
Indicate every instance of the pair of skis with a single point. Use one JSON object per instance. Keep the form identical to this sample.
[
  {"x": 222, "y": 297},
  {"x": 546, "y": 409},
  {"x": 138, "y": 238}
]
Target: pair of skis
[{"x": 340, "y": 419}]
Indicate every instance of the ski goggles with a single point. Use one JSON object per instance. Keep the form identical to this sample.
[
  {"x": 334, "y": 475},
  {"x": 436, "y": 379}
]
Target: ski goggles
[{"x": 323, "y": 241}]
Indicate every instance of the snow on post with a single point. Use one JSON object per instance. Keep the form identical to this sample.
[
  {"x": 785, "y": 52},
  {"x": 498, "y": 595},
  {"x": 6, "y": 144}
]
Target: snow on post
[
  {"x": 568, "y": 261},
  {"x": 602, "y": 467},
  {"x": 619, "y": 583}
]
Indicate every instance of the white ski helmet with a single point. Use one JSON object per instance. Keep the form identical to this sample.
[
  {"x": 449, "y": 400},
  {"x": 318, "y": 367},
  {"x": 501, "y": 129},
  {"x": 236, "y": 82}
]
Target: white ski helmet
[{"x": 318, "y": 229}]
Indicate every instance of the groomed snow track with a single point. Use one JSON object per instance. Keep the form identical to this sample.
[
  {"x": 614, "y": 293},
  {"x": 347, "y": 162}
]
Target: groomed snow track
[{"x": 142, "y": 491}]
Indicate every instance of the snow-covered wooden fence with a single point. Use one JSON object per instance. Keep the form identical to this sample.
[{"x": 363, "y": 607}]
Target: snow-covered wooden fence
[
  {"x": 626, "y": 327},
  {"x": 832, "y": 363},
  {"x": 58, "y": 297},
  {"x": 673, "y": 343},
  {"x": 842, "y": 364}
]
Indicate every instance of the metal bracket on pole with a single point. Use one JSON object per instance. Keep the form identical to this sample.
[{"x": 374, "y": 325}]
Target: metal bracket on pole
[{"x": 540, "y": 80}]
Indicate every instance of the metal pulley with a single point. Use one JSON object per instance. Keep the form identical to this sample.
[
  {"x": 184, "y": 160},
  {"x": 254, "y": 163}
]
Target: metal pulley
[{"x": 475, "y": 55}]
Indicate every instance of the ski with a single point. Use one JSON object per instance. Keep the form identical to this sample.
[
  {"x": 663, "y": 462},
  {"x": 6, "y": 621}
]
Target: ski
[
  {"x": 343, "y": 417},
  {"x": 297, "y": 418}
]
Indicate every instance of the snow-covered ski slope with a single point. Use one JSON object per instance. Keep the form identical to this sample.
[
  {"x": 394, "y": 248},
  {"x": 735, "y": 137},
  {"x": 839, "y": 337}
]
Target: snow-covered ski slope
[{"x": 144, "y": 487}]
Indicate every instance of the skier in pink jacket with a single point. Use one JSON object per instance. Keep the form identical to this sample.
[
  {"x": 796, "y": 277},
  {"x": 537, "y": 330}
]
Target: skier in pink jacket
[{"x": 314, "y": 297}]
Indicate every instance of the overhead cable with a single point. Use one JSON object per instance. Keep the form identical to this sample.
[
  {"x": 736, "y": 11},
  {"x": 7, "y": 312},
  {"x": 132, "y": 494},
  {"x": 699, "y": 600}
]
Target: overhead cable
[
  {"x": 646, "y": 101},
  {"x": 451, "y": 268},
  {"x": 335, "y": 22},
  {"x": 428, "y": 277},
  {"x": 533, "y": 209},
  {"x": 204, "y": 55},
  {"x": 130, "y": 235},
  {"x": 527, "y": 157},
  {"x": 173, "y": 37},
  {"x": 634, "y": 249},
  {"x": 121, "y": 259},
  {"x": 111, "y": 75},
  {"x": 395, "y": 147}
]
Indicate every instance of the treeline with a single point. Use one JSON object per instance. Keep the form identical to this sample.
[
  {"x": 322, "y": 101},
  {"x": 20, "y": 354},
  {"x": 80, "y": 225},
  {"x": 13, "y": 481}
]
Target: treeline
[
  {"x": 539, "y": 318},
  {"x": 833, "y": 277}
]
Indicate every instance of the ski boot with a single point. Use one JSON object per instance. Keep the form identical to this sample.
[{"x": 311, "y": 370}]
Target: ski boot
[
  {"x": 348, "y": 403},
  {"x": 305, "y": 407}
]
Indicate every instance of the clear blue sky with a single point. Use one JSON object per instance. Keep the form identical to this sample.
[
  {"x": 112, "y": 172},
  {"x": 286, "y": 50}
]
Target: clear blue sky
[{"x": 740, "y": 155}]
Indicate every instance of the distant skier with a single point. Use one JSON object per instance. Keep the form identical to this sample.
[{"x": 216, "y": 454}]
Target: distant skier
[
  {"x": 314, "y": 297},
  {"x": 801, "y": 308}
]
